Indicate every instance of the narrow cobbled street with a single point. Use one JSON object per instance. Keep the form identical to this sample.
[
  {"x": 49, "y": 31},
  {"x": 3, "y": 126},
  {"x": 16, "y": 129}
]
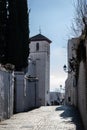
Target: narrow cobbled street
[{"x": 45, "y": 118}]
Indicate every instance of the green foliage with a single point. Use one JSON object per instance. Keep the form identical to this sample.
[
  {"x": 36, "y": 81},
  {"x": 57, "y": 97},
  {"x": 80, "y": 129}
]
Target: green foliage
[
  {"x": 17, "y": 33},
  {"x": 81, "y": 51},
  {"x": 3, "y": 20}
]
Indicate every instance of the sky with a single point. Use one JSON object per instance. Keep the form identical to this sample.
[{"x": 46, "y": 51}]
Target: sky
[{"x": 54, "y": 18}]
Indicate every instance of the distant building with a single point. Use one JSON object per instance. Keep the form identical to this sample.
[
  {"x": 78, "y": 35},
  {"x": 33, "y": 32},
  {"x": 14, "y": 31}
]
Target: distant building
[
  {"x": 54, "y": 98},
  {"x": 57, "y": 98},
  {"x": 39, "y": 66}
]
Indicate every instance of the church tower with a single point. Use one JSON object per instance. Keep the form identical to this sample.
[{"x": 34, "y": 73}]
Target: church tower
[{"x": 40, "y": 55}]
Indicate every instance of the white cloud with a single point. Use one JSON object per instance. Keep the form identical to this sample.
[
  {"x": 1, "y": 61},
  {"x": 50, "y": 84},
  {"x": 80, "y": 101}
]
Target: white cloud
[
  {"x": 57, "y": 79},
  {"x": 57, "y": 74}
]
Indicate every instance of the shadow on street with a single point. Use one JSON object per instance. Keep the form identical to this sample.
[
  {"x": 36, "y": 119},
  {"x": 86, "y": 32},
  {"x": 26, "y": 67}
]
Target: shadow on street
[{"x": 72, "y": 113}]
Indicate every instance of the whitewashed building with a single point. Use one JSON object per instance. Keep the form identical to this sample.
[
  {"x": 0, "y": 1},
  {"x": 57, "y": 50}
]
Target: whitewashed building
[
  {"x": 55, "y": 98},
  {"x": 39, "y": 66},
  {"x": 76, "y": 87},
  {"x": 70, "y": 84}
]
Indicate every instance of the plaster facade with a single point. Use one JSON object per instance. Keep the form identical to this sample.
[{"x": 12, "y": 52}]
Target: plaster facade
[
  {"x": 40, "y": 57},
  {"x": 6, "y": 94},
  {"x": 76, "y": 88}
]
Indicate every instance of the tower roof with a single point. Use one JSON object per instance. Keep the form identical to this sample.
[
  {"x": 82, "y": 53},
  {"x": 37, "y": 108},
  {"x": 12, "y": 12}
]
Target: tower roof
[{"x": 40, "y": 37}]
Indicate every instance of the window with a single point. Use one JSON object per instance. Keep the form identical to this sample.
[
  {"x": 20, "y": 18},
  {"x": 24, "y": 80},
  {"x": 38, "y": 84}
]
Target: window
[
  {"x": 37, "y": 46},
  {"x": 69, "y": 99}
]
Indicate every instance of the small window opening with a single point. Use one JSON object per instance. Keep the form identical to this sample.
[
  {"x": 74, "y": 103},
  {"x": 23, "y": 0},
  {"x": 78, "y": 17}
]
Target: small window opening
[{"x": 37, "y": 46}]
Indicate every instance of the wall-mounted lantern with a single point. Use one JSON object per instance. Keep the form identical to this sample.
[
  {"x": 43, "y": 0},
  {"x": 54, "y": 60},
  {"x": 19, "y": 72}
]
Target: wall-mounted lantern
[{"x": 65, "y": 68}]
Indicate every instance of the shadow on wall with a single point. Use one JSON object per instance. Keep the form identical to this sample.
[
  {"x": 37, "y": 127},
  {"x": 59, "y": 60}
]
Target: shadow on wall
[{"x": 72, "y": 112}]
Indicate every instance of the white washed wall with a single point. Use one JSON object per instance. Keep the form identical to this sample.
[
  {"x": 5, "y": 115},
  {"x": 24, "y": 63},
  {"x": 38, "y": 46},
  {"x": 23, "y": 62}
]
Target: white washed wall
[
  {"x": 31, "y": 98},
  {"x": 70, "y": 85},
  {"x": 82, "y": 101},
  {"x": 79, "y": 93},
  {"x": 25, "y": 93},
  {"x": 41, "y": 59},
  {"x": 19, "y": 92},
  {"x": 6, "y": 94}
]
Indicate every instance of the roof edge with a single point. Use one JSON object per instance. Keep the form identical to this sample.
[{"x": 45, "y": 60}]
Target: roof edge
[{"x": 40, "y": 37}]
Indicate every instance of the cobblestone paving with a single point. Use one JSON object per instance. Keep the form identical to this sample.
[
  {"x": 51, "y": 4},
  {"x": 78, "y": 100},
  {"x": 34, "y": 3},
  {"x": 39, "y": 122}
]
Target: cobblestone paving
[{"x": 45, "y": 118}]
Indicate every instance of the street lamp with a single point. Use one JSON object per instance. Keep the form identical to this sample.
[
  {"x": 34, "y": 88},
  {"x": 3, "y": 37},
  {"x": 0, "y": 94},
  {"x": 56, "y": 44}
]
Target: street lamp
[{"x": 66, "y": 69}]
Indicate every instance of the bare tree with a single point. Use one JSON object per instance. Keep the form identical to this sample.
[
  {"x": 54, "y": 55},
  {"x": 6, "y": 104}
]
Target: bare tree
[{"x": 79, "y": 25}]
